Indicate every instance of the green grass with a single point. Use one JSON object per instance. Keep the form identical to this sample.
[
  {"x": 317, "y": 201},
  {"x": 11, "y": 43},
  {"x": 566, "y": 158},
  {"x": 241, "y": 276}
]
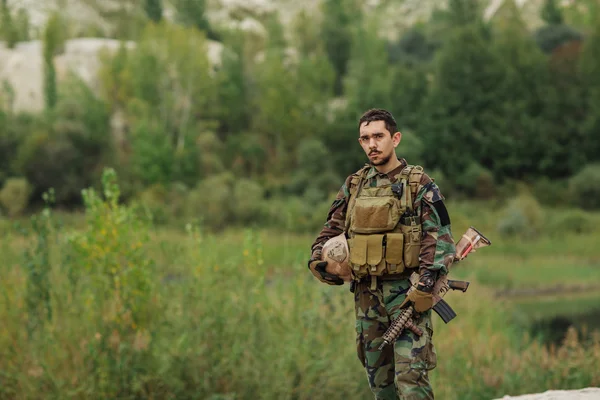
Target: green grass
[{"x": 141, "y": 312}]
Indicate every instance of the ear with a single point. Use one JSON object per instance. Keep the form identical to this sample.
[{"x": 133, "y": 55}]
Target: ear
[{"x": 396, "y": 138}]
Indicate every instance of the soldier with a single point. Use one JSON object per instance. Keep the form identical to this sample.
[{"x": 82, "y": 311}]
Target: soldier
[{"x": 395, "y": 222}]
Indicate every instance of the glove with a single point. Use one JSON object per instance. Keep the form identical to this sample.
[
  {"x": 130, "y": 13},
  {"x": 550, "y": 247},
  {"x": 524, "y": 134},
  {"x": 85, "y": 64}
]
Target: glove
[
  {"x": 422, "y": 296},
  {"x": 317, "y": 267},
  {"x": 422, "y": 301}
]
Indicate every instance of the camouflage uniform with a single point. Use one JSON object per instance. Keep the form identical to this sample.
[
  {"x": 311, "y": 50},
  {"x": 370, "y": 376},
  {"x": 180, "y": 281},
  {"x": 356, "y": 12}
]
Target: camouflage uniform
[{"x": 399, "y": 371}]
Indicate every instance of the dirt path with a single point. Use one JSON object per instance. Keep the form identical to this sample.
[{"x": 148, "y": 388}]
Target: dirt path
[{"x": 583, "y": 394}]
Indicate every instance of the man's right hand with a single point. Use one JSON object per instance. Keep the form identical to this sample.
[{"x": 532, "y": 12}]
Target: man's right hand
[{"x": 317, "y": 267}]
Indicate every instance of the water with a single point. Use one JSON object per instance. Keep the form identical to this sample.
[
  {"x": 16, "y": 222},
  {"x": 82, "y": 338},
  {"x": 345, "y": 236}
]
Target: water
[{"x": 552, "y": 330}]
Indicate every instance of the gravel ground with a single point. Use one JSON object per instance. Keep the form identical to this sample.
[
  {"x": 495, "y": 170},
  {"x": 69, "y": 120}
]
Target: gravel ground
[{"x": 583, "y": 394}]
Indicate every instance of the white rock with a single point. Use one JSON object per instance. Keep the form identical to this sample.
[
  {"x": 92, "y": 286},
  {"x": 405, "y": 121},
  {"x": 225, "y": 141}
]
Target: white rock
[{"x": 583, "y": 394}]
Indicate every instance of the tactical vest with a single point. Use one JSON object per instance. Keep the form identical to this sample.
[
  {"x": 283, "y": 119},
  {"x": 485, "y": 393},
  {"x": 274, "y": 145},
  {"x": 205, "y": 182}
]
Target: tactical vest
[{"x": 384, "y": 234}]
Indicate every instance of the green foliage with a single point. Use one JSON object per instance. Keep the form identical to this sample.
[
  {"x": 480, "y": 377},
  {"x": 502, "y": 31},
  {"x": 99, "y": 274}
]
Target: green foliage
[
  {"x": 584, "y": 187},
  {"x": 116, "y": 277},
  {"x": 14, "y": 196},
  {"x": 521, "y": 218},
  {"x": 551, "y": 13},
  {"x": 339, "y": 17},
  {"x": 564, "y": 222},
  {"x": 211, "y": 201},
  {"x": 461, "y": 115},
  {"x": 8, "y": 31},
  {"x": 232, "y": 92},
  {"x": 168, "y": 96},
  {"x": 193, "y": 13},
  {"x": 551, "y": 37},
  {"x": 277, "y": 316},
  {"x": 54, "y": 36},
  {"x": 551, "y": 192},
  {"x": 153, "y": 9},
  {"x": 414, "y": 48},
  {"x": 38, "y": 268},
  {"x": 589, "y": 67},
  {"x": 247, "y": 202},
  {"x": 464, "y": 12},
  {"x": 64, "y": 149},
  {"x": 315, "y": 177},
  {"x": 476, "y": 182}
]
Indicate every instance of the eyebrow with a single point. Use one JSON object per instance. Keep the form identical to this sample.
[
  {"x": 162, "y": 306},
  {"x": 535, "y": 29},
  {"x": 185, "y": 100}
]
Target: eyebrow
[{"x": 363, "y": 135}]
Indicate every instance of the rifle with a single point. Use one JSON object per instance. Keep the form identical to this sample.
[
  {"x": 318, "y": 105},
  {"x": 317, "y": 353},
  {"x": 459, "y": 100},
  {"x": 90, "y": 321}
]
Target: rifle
[{"x": 469, "y": 242}]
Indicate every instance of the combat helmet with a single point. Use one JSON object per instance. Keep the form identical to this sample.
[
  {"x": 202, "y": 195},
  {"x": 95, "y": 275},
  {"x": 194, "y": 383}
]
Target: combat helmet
[{"x": 336, "y": 253}]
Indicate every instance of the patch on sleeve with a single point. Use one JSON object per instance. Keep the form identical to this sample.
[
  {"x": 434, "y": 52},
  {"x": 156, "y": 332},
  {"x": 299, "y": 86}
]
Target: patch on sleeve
[
  {"x": 432, "y": 193},
  {"x": 442, "y": 212}
]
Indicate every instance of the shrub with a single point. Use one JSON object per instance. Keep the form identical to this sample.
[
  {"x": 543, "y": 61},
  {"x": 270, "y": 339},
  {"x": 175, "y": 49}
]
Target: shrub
[
  {"x": 211, "y": 201},
  {"x": 247, "y": 198},
  {"x": 570, "y": 221},
  {"x": 477, "y": 181},
  {"x": 522, "y": 217},
  {"x": 14, "y": 195},
  {"x": 551, "y": 192},
  {"x": 584, "y": 187}
]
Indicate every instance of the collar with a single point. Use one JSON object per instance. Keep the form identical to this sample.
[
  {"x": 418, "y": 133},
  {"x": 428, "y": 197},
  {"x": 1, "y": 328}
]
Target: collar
[{"x": 392, "y": 174}]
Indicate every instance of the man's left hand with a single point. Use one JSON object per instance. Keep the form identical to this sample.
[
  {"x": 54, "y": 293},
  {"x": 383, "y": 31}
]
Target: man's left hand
[{"x": 422, "y": 301}]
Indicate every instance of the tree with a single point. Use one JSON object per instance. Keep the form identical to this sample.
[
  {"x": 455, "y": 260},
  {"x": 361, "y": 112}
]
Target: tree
[
  {"x": 8, "y": 30},
  {"x": 551, "y": 13},
  {"x": 51, "y": 44},
  {"x": 367, "y": 84},
  {"x": 233, "y": 112},
  {"x": 193, "y": 13},
  {"x": 169, "y": 96},
  {"x": 460, "y": 115},
  {"x": 153, "y": 9},
  {"x": 519, "y": 148},
  {"x": 590, "y": 67},
  {"x": 339, "y": 17}
]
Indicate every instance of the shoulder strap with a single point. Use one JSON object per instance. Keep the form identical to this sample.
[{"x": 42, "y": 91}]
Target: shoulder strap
[
  {"x": 356, "y": 184},
  {"x": 410, "y": 176}
]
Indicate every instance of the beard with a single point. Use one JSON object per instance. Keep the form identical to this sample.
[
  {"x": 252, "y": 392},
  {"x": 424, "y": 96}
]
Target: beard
[{"x": 381, "y": 160}]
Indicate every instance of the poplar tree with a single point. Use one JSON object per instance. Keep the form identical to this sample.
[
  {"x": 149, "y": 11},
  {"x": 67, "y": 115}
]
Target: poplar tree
[
  {"x": 154, "y": 9},
  {"x": 339, "y": 18}
]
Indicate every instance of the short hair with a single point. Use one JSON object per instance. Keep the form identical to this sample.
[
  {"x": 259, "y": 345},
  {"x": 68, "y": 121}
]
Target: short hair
[{"x": 378, "y": 114}]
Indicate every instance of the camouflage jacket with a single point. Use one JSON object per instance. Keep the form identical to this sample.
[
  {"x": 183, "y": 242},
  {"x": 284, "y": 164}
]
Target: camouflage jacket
[{"x": 437, "y": 244}]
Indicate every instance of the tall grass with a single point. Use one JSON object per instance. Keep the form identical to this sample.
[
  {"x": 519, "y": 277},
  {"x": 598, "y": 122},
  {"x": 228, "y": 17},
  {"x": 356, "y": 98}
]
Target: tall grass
[{"x": 142, "y": 313}]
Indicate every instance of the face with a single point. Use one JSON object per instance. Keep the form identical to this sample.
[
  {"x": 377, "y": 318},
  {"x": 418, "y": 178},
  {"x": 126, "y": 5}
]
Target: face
[{"x": 377, "y": 142}]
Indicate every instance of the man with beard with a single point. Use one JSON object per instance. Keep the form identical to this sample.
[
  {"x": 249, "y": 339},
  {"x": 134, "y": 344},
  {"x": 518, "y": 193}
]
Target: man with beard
[{"x": 395, "y": 222}]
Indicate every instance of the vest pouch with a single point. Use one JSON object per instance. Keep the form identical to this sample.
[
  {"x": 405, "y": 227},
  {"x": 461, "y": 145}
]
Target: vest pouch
[
  {"x": 412, "y": 241},
  {"x": 358, "y": 255},
  {"x": 394, "y": 250},
  {"x": 375, "y": 214},
  {"x": 375, "y": 260}
]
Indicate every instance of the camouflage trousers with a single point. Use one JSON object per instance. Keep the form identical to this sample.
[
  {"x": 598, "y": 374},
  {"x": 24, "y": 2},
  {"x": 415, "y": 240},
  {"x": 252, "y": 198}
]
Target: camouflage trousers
[{"x": 399, "y": 371}]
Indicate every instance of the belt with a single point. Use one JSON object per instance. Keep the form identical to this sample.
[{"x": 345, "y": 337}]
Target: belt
[{"x": 389, "y": 277}]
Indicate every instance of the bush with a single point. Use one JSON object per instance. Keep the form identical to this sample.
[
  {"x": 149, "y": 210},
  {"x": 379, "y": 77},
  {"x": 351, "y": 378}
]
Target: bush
[
  {"x": 14, "y": 195},
  {"x": 551, "y": 192},
  {"x": 570, "y": 221},
  {"x": 247, "y": 201},
  {"x": 550, "y": 37},
  {"x": 477, "y": 181},
  {"x": 522, "y": 217},
  {"x": 584, "y": 187},
  {"x": 211, "y": 201},
  {"x": 297, "y": 214}
]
